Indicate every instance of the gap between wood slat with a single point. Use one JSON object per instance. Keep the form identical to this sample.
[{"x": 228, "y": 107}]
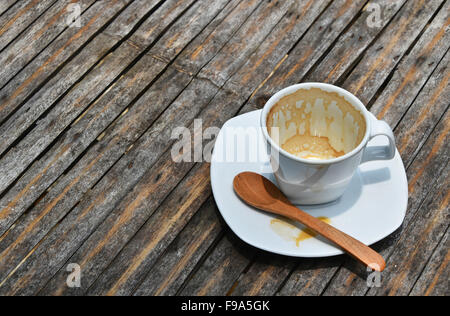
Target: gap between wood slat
[
  {"x": 5, "y": 83},
  {"x": 143, "y": 92},
  {"x": 404, "y": 57},
  {"x": 421, "y": 89},
  {"x": 345, "y": 75},
  {"x": 56, "y": 71},
  {"x": 225, "y": 82},
  {"x": 160, "y": 115},
  {"x": 28, "y": 26},
  {"x": 10, "y": 6}
]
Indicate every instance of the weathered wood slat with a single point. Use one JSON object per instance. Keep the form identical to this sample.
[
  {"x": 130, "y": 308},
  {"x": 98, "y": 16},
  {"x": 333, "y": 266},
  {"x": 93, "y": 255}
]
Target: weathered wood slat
[
  {"x": 44, "y": 172},
  {"x": 263, "y": 276},
  {"x": 350, "y": 47},
  {"x": 100, "y": 201},
  {"x": 116, "y": 187},
  {"x": 415, "y": 69},
  {"x": 45, "y": 65},
  {"x": 274, "y": 48},
  {"x": 310, "y": 277},
  {"x": 41, "y": 33},
  {"x": 434, "y": 279},
  {"x": 313, "y": 31},
  {"x": 304, "y": 56},
  {"x": 58, "y": 119},
  {"x": 390, "y": 47},
  {"x": 289, "y": 286},
  {"x": 411, "y": 133},
  {"x": 225, "y": 264},
  {"x": 19, "y": 17},
  {"x": 169, "y": 273},
  {"x": 173, "y": 41},
  {"x": 419, "y": 239},
  {"x": 5, "y": 5},
  {"x": 199, "y": 52},
  {"x": 222, "y": 103},
  {"x": 48, "y": 128},
  {"x": 420, "y": 119},
  {"x": 119, "y": 140}
]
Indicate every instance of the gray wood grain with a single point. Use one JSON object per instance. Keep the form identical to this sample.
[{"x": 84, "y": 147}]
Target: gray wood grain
[
  {"x": 419, "y": 121},
  {"x": 227, "y": 104},
  {"x": 264, "y": 276},
  {"x": 412, "y": 134},
  {"x": 415, "y": 69},
  {"x": 40, "y": 34},
  {"x": 78, "y": 99},
  {"x": 228, "y": 114},
  {"x": 379, "y": 60},
  {"x": 174, "y": 267},
  {"x": 86, "y": 169},
  {"x": 220, "y": 68},
  {"x": 418, "y": 241},
  {"x": 19, "y": 17},
  {"x": 52, "y": 165},
  {"x": 218, "y": 273},
  {"x": 101, "y": 200},
  {"x": 191, "y": 24},
  {"x": 5, "y": 5},
  {"x": 163, "y": 226},
  {"x": 311, "y": 277},
  {"x": 198, "y": 53},
  {"x": 352, "y": 45},
  {"x": 434, "y": 279},
  {"x": 299, "y": 65}
]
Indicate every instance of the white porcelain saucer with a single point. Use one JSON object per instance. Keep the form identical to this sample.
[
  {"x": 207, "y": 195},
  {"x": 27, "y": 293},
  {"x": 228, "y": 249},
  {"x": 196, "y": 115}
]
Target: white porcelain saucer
[{"x": 372, "y": 208}]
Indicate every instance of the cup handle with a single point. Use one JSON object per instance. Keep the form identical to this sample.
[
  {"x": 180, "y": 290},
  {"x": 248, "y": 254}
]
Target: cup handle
[{"x": 380, "y": 128}]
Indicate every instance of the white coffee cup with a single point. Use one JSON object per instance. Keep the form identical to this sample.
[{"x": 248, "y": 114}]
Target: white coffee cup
[{"x": 306, "y": 181}]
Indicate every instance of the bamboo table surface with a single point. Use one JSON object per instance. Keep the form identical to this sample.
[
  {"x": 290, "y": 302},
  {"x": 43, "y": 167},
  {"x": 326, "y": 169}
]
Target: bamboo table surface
[{"x": 90, "y": 92}]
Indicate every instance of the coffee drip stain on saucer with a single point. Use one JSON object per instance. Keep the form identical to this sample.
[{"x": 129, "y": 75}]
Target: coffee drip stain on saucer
[{"x": 287, "y": 230}]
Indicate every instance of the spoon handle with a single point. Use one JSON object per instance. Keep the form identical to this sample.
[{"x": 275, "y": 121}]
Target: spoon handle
[{"x": 349, "y": 244}]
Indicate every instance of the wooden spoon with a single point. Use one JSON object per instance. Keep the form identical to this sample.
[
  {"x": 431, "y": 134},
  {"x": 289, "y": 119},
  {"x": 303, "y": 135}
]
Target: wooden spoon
[{"x": 264, "y": 195}]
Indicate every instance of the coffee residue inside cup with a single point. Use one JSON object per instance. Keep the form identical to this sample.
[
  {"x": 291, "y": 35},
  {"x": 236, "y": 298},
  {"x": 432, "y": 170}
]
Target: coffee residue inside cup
[{"x": 316, "y": 124}]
